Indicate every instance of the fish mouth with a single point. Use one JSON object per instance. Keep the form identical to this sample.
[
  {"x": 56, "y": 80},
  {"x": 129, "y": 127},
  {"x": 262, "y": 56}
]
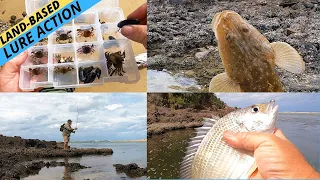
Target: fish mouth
[
  {"x": 216, "y": 20},
  {"x": 272, "y": 107},
  {"x": 272, "y": 110}
]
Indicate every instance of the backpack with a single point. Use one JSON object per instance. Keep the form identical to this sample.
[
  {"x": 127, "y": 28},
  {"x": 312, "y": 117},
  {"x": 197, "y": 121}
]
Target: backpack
[{"x": 62, "y": 127}]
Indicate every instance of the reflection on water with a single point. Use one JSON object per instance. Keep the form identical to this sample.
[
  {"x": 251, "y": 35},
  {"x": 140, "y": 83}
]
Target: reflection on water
[
  {"x": 165, "y": 152},
  {"x": 101, "y": 166},
  {"x": 161, "y": 81}
]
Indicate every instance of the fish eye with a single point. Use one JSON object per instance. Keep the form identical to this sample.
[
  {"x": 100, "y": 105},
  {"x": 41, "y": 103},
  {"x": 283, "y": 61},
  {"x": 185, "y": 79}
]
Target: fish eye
[{"x": 255, "y": 109}]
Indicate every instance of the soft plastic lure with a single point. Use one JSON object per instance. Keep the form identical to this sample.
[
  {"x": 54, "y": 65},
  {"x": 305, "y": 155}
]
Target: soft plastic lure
[{"x": 126, "y": 22}]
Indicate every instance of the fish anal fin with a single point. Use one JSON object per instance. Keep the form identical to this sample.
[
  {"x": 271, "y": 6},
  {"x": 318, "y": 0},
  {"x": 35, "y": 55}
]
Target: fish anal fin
[
  {"x": 287, "y": 58},
  {"x": 222, "y": 83}
]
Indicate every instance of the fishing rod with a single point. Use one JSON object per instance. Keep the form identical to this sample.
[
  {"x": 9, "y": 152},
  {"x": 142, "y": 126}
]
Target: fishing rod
[{"x": 77, "y": 111}]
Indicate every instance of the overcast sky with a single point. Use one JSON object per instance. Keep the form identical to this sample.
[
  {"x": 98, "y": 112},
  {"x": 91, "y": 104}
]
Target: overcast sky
[
  {"x": 108, "y": 116},
  {"x": 288, "y": 102}
]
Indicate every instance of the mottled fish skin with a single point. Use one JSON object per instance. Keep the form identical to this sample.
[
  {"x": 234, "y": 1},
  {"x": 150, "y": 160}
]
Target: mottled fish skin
[
  {"x": 213, "y": 158},
  {"x": 247, "y": 55}
]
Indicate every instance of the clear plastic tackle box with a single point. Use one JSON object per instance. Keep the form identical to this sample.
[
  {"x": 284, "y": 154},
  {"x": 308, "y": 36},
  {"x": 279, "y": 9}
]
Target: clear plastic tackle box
[{"x": 85, "y": 52}]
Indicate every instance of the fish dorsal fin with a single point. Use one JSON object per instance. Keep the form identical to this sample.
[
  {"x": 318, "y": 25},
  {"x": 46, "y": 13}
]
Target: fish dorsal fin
[
  {"x": 222, "y": 83},
  {"x": 186, "y": 165},
  {"x": 288, "y": 58}
]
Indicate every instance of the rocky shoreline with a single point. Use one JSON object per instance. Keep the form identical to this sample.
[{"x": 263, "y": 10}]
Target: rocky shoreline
[
  {"x": 32, "y": 168},
  {"x": 165, "y": 119},
  {"x": 168, "y": 112},
  {"x": 181, "y": 40},
  {"x": 18, "y": 157},
  {"x": 131, "y": 170}
]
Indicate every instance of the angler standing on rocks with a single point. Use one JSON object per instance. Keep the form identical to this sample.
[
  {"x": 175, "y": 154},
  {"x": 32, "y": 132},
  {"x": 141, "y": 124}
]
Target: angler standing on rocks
[{"x": 66, "y": 130}]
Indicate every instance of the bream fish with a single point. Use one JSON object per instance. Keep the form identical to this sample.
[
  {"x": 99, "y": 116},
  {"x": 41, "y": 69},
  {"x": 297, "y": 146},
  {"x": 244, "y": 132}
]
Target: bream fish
[
  {"x": 249, "y": 58},
  {"x": 209, "y": 156}
]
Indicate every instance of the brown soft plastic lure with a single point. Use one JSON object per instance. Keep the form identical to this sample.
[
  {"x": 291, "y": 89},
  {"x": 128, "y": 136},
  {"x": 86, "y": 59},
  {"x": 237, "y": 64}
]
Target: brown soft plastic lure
[{"x": 249, "y": 58}]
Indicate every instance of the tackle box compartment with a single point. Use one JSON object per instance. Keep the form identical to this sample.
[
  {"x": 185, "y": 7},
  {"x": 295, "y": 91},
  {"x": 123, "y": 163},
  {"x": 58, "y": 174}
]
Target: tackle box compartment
[{"x": 87, "y": 47}]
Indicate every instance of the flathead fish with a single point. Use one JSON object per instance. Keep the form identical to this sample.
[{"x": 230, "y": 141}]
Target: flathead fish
[
  {"x": 249, "y": 58},
  {"x": 209, "y": 156}
]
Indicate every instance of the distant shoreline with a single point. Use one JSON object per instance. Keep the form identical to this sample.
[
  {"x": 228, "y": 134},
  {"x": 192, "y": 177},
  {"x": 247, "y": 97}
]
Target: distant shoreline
[
  {"x": 299, "y": 112},
  {"x": 106, "y": 141}
]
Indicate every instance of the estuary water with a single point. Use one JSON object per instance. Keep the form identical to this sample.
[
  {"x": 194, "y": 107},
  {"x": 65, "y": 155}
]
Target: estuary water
[{"x": 101, "y": 166}]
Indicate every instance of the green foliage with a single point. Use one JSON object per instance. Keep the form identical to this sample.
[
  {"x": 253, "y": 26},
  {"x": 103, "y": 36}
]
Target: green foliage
[{"x": 198, "y": 101}]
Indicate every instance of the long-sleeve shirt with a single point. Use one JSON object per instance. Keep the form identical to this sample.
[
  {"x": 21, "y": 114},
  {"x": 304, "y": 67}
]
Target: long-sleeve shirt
[{"x": 67, "y": 130}]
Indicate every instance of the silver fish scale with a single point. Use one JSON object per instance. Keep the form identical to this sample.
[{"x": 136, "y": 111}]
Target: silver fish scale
[{"x": 215, "y": 159}]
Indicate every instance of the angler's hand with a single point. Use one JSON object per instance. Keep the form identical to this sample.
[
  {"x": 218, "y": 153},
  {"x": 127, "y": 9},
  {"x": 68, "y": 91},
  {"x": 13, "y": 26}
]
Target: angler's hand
[
  {"x": 276, "y": 156},
  {"x": 10, "y": 74},
  {"x": 137, "y": 33}
]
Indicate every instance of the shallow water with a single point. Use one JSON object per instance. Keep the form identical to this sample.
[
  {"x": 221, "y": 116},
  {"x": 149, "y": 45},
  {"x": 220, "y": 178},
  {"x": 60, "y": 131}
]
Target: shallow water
[
  {"x": 101, "y": 166},
  {"x": 165, "y": 152},
  {"x": 163, "y": 81}
]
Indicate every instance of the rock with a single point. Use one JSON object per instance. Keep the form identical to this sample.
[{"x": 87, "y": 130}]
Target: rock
[
  {"x": 32, "y": 168},
  {"x": 177, "y": 31},
  {"x": 202, "y": 55},
  {"x": 189, "y": 73},
  {"x": 15, "y": 151},
  {"x": 288, "y": 3},
  {"x": 308, "y": 5},
  {"x": 290, "y": 31},
  {"x": 131, "y": 170}
]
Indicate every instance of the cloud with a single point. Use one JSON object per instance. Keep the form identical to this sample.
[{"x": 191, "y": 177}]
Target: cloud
[
  {"x": 98, "y": 116},
  {"x": 113, "y": 107},
  {"x": 293, "y": 102}
]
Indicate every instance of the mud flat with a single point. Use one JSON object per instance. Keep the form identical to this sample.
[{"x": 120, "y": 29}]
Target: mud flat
[
  {"x": 181, "y": 39},
  {"x": 19, "y": 156}
]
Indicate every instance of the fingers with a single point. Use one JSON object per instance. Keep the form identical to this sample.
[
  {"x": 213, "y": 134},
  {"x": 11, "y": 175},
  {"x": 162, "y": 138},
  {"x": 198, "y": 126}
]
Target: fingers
[
  {"x": 14, "y": 64},
  {"x": 140, "y": 13},
  {"x": 245, "y": 140},
  {"x": 136, "y": 33}
]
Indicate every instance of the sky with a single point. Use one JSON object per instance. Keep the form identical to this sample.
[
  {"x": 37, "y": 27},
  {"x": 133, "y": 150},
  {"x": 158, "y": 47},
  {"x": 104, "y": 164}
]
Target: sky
[
  {"x": 288, "y": 102},
  {"x": 104, "y": 116}
]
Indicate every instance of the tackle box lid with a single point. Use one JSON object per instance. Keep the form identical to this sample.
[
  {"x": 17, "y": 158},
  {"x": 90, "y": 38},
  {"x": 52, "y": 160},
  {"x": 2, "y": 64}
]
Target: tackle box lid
[{"x": 33, "y": 5}]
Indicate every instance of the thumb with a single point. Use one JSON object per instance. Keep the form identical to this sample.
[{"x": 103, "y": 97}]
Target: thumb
[
  {"x": 137, "y": 33},
  {"x": 14, "y": 64},
  {"x": 245, "y": 140},
  {"x": 280, "y": 134}
]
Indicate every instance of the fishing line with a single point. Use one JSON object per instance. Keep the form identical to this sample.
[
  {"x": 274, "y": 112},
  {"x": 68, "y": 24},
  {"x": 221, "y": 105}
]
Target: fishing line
[{"x": 77, "y": 112}]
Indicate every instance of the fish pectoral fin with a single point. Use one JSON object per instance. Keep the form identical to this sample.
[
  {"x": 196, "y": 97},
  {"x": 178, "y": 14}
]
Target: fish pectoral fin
[
  {"x": 286, "y": 57},
  {"x": 222, "y": 83}
]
